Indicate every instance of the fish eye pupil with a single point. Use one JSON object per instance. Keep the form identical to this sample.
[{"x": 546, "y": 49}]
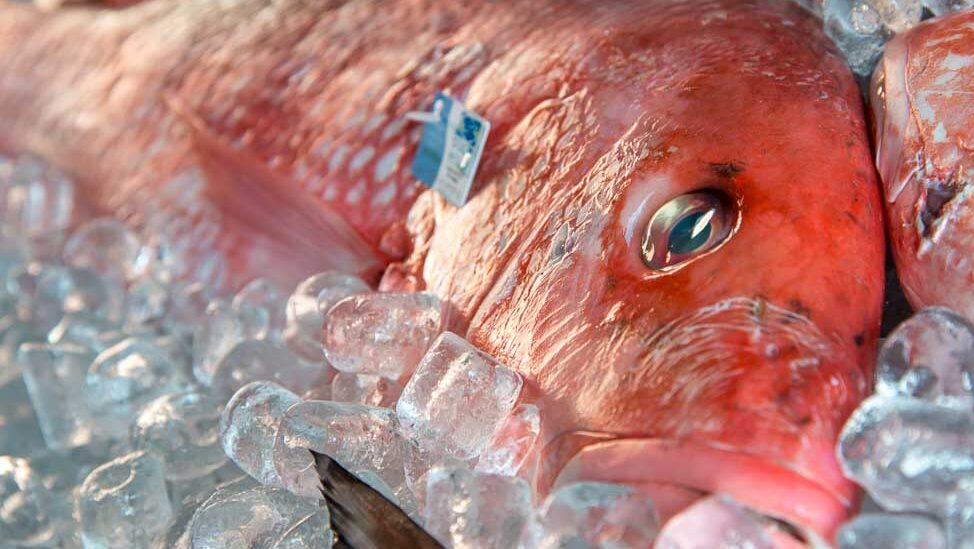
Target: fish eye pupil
[{"x": 690, "y": 233}]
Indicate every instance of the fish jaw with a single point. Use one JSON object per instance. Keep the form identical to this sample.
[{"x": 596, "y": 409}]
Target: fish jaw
[
  {"x": 924, "y": 131},
  {"x": 677, "y": 473}
]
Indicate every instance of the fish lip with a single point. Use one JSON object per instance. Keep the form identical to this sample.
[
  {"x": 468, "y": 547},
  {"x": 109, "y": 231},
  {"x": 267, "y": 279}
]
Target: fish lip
[{"x": 772, "y": 489}]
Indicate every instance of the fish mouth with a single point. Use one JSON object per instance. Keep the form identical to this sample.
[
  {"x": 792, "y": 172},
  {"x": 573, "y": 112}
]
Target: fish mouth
[
  {"x": 676, "y": 473},
  {"x": 742, "y": 397}
]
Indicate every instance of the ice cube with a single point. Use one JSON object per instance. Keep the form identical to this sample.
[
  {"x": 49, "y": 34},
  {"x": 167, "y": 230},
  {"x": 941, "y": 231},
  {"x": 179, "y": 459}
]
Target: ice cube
[
  {"x": 92, "y": 292},
  {"x": 308, "y": 304},
  {"x": 124, "y": 504},
  {"x": 37, "y": 199},
  {"x": 82, "y": 328},
  {"x": 148, "y": 302},
  {"x": 891, "y": 532},
  {"x": 179, "y": 352},
  {"x": 126, "y": 376},
  {"x": 106, "y": 246},
  {"x": 261, "y": 360},
  {"x": 475, "y": 510},
  {"x": 221, "y": 330},
  {"x": 930, "y": 356},
  {"x": 358, "y": 437},
  {"x": 898, "y": 15},
  {"x": 511, "y": 447},
  {"x": 260, "y": 517},
  {"x": 10, "y": 342},
  {"x": 715, "y": 521},
  {"x": 188, "y": 305},
  {"x": 594, "y": 514},
  {"x": 261, "y": 306},
  {"x": 249, "y": 425},
  {"x": 177, "y": 535},
  {"x": 39, "y": 204},
  {"x": 858, "y": 31},
  {"x": 80, "y": 290},
  {"x": 41, "y": 307},
  {"x": 907, "y": 453},
  {"x": 860, "y": 28},
  {"x": 458, "y": 398},
  {"x": 419, "y": 459},
  {"x": 10, "y": 257},
  {"x": 20, "y": 435},
  {"x": 24, "y": 506},
  {"x": 183, "y": 429},
  {"x": 168, "y": 259},
  {"x": 958, "y": 520},
  {"x": 381, "y": 334},
  {"x": 55, "y": 376},
  {"x": 190, "y": 492},
  {"x": 321, "y": 392},
  {"x": 943, "y": 7},
  {"x": 364, "y": 389},
  {"x": 64, "y": 470}
]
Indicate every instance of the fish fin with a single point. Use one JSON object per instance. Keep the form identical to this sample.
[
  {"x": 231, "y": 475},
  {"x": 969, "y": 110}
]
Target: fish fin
[
  {"x": 282, "y": 225},
  {"x": 362, "y": 517}
]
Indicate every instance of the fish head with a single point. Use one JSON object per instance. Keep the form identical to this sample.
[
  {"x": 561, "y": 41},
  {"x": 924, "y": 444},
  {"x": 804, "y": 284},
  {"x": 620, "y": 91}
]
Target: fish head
[
  {"x": 697, "y": 311},
  {"x": 923, "y": 112}
]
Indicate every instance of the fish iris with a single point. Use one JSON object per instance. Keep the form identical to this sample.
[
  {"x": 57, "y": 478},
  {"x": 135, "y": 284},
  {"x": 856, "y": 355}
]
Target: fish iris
[{"x": 690, "y": 233}]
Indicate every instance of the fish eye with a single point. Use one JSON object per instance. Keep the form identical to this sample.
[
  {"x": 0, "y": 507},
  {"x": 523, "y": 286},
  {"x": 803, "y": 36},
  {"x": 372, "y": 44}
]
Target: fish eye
[{"x": 686, "y": 227}]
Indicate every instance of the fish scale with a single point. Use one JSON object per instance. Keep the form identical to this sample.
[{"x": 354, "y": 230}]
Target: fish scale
[{"x": 602, "y": 115}]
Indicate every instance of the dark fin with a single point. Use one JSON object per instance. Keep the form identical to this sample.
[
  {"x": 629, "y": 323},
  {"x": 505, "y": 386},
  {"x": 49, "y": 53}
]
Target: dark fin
[
  {"x": 282, "y": 225},
  {"x": 362, "y": 517}
]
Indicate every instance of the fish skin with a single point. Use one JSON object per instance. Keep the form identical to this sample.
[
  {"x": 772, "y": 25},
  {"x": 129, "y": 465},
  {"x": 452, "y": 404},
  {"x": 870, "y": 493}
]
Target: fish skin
[
  {"x": 745, "y": 361},
  {"x": 580, "y": 324},
  {"x": 924, "y": 130}
]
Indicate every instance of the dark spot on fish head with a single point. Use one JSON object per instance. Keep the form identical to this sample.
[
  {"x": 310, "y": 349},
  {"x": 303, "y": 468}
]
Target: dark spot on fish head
[
  {"x": 793, "y": 405},
  {"x": 611, "y": 282},
  {"x": 799, "y": 308},
  {"x": 726, "y": 170},
  {"x": 859, "y": 339}
]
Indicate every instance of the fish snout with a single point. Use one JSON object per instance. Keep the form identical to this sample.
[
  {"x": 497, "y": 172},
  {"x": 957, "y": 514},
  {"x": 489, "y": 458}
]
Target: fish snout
[{"x": 745, "y": 398}]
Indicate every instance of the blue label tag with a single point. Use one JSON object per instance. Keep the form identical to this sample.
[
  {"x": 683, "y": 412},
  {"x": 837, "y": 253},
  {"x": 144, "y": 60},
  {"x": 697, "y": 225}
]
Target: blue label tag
[{"x": 450, "y": 148}]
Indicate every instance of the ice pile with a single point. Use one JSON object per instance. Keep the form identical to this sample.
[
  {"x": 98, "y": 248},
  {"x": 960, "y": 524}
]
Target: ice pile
[
  {"x": 861, "y": 28},
  {"x": 116, "y": 363},
  {"x": 127, "y": 381},
  {"x": 911, "y": 445}
]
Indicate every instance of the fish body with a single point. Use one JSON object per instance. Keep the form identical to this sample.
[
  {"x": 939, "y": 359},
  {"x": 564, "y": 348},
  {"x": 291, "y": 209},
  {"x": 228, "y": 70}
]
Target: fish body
[
  {"x": 674, "y": 236},
  {"x": 924, "y": 112}
]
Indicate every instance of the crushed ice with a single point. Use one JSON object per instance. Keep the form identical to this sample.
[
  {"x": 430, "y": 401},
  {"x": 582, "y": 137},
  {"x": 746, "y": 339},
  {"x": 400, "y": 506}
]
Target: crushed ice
[
  {"x": 139, "y": 408},
  {"x": 861, "y": 28}
]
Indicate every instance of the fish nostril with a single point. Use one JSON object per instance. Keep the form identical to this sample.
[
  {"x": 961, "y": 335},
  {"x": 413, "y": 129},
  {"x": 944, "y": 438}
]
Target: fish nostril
[{"x": 687, "y": 227}]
